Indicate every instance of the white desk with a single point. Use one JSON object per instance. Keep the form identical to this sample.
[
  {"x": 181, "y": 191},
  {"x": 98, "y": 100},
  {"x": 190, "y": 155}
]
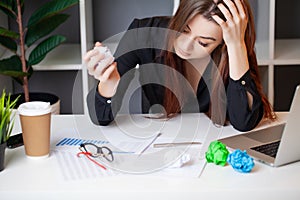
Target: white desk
[{"x": 24, "y": 178}]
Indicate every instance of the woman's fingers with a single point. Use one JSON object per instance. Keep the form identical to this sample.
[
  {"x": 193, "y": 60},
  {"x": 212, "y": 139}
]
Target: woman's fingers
[
  {"x": 234, "y": 13},
  {"x": 92, "y": 52},
  {"x": 98, "y": 44},
  {"x": 107, "y": 73},
  {"x": 219, "y": 21},
  {"x": 232, "y": 9},
  {"x": 236, "y": 21},
  {"x": 240, "y": 8},
  {"x": 225, "y": 12},
  {"x": 89, "y": 55},
  {"x": 92, "y": 59},
  {"x": 98, "y": 63}
]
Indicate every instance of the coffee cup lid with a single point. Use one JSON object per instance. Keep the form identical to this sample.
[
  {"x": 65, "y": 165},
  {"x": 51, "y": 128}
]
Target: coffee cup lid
[{"x": 34, "y": 108}]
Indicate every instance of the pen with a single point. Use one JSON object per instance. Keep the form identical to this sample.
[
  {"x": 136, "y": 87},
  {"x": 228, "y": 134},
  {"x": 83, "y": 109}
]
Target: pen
[
  {"x": 160, "y": 145},
  {"x": 159, "y": 134}
]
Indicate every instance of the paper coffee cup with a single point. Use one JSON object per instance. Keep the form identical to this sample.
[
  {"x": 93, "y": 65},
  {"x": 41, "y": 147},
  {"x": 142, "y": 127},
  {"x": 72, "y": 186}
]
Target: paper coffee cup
[{"x": 35, "y": 120}]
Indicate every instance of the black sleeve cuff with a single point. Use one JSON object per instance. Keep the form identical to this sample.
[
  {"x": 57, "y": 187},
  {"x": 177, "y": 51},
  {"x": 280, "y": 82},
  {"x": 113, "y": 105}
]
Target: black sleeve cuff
[
  {"x": 99, "y": 108},
  {"x": 241, "y": 116},
  {"x": 101, "y": 98}
]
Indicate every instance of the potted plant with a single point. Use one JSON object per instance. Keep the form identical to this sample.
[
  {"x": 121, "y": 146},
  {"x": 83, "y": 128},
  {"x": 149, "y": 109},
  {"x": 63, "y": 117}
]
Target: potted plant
[
  {"x": 30, "y": 44},
  {"x": 6, "y": 123}
]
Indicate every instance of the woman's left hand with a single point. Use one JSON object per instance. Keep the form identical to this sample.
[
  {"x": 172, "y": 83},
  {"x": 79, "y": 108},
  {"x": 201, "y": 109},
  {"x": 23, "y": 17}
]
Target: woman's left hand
[{"x": 236, "y": 22}]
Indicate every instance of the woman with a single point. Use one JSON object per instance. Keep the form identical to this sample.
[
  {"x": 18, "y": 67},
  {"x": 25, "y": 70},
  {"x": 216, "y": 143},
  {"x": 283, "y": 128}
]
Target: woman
[{"x": 210, "y": 43}]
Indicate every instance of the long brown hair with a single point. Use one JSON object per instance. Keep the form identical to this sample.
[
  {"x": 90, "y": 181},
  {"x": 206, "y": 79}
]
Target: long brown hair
[{"x": 186, "y": 11}]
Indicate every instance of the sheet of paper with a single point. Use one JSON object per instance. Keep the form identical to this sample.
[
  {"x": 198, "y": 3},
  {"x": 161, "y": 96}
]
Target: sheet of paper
[{"x": 74, "y": 168}]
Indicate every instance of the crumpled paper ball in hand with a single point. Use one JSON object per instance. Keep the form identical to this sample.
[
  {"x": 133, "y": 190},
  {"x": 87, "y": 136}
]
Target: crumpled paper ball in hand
[
  {"x": 240, "y": 161},
  {"x": 217, "y": 153}
]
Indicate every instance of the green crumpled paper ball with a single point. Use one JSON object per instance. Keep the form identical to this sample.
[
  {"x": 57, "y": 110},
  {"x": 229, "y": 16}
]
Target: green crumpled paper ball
[{"x": 217, "y": 153}]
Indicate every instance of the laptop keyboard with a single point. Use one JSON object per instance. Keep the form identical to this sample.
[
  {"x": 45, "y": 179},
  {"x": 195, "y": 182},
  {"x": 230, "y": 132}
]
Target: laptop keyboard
[{"x": 269, "y": 149}]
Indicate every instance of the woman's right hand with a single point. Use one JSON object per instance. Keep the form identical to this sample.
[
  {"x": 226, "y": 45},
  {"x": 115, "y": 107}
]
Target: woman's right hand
[{"x": 100, "y": 68}]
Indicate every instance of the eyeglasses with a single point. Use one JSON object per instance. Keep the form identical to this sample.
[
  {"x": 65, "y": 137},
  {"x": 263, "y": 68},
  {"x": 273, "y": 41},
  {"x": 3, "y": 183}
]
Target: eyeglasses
[
  {"x": 96, "y": 151},
  {"x": 92, "y": 150}
]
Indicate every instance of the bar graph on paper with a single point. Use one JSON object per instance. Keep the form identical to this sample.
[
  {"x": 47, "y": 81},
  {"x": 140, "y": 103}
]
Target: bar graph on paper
[{"x": 77, "y": 142}]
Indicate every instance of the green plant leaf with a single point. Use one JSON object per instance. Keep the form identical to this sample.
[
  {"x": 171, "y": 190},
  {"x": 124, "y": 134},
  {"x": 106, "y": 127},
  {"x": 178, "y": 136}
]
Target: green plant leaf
[
  {"x": 9, "y": 8},
  {"x": 44, "y": 27},
  {"x": 11, "y": 64},
  {"x": 8, "y": 43},
  {"x": 7, "y": 33},
  {"x": 40, "y": 51},
  {"x": 49, "y": 9},
  {"x": 6, "y": 116},
  {"x": 12, "y": 67},
  {"x": 7, "y": 39},
  {"x": 16, "y": 74}
]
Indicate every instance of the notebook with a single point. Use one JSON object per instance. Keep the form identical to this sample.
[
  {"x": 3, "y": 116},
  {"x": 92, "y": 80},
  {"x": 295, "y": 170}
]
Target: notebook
[{"x": 261, "y": 144}]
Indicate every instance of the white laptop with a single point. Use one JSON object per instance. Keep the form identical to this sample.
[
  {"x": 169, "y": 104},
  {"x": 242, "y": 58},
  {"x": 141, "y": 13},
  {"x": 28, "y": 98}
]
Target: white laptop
[{"x": 261, "y": 144}]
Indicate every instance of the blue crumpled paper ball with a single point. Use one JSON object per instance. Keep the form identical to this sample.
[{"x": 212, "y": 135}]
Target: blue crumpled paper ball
[{"x": 240, "y": 161}]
